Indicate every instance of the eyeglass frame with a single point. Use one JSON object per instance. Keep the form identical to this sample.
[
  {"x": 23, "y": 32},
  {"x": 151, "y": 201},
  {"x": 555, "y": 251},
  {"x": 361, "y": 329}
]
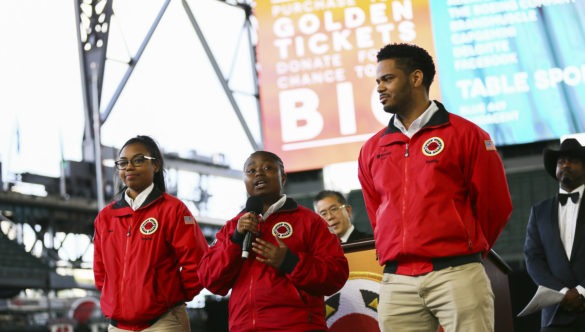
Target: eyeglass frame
[
  {"x": 332, "y": 210},
  {"x": 134, "y": 161}
]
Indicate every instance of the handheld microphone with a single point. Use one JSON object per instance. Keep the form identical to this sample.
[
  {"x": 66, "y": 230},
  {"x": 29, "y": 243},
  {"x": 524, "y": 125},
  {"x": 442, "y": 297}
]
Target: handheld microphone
[{"x": 253, "y": 204}]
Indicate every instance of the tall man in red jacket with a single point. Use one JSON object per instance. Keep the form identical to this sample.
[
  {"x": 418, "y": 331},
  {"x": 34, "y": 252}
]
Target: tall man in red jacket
[{"x": 437, "y": 198}]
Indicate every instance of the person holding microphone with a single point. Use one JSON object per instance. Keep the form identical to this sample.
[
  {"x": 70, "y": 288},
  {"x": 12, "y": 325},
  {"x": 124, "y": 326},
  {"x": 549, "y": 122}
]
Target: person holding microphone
[{"x": 294, "y": 262}]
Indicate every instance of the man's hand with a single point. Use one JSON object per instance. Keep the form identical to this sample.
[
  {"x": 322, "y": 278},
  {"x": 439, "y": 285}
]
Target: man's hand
[
  {"x": 268, "y": 253},
  {"x": 572, "y": 301}
]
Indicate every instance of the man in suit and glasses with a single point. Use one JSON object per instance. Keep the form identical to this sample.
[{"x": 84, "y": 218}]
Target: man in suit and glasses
[
  {"x": 334, "y": 208},
  {"x": 555, "y": 239}
]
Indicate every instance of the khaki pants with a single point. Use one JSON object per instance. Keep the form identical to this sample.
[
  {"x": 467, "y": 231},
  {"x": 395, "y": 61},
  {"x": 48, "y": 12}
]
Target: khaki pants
[
  {"x": 459, "y": 299},
  {"x": 173, "y": 321}
]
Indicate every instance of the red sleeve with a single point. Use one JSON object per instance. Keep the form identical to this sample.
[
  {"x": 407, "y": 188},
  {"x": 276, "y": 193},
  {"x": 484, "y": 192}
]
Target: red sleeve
[
  {"x": 98, "y": 263},
  {"x": 189, "y": 245},
  {"x": 490, "y": 195},
  {"x": 323, "y": 269},
  {"x": 221, "y": 264},
  {"x": 371, "y": 199}
]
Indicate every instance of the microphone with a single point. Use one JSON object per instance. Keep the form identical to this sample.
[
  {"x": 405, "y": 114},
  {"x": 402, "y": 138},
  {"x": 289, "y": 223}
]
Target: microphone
[{"x": 253, "y": 204}]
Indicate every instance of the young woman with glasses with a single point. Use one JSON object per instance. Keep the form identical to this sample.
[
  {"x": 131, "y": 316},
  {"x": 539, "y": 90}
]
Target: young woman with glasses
[{"x": 147, "y": 247}]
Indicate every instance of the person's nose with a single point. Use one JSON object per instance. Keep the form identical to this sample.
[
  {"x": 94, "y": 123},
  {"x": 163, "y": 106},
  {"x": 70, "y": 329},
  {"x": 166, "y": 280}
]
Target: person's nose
[
  {"x": 130, "y": 165},
  {"x": 328, "y": 215},
  {"x": 380, "y": 87}
]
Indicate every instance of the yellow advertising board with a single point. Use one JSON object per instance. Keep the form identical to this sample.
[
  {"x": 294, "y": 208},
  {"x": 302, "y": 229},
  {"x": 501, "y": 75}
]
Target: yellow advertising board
[{"x": 317, "y": 64}]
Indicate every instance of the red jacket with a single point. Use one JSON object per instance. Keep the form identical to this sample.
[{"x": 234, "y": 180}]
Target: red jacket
[
  {"x": 264, "y": 298},
  {"x": 146, "y": 261},
  {"x": 441, "y": 193}
]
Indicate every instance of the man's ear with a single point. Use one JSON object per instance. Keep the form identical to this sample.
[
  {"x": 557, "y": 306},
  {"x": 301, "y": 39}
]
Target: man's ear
[{"x": 417, "y": 77}]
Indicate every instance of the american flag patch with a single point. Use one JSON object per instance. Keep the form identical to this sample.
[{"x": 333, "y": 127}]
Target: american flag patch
[
  {"x": 489, "y": 145},
  {"x": 189, "y": 220}
]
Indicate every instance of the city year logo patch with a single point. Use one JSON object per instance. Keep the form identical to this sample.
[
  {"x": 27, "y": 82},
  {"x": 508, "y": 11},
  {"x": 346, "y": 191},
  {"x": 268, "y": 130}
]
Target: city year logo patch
[
  {"x": 149, "y": 226},
  {"x": 282, "y": 229},
  {"x": 433, "y": 146}
]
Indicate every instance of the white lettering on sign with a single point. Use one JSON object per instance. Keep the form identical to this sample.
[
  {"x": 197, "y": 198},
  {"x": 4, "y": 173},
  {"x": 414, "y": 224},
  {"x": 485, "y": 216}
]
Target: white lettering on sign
[
  {"x": 301, "y": 119},
  {"x": 299, "y": 115},
  {"x": 491, "y": 86},
  {"x": 357, "y": 29}
]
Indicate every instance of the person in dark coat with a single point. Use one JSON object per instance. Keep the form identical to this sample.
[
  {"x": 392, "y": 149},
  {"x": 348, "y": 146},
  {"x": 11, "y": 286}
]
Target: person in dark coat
[{"x": 555, "y": 239}]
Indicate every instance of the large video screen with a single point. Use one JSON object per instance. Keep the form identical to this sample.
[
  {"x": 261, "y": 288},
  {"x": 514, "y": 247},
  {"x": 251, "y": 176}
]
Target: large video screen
[{"x": 514, "y": 67}]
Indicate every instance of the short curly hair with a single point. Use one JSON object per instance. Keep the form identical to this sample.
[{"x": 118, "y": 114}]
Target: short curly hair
[
  {"x": 410, "y": 57},
  {"x": 272, "y": 156}
]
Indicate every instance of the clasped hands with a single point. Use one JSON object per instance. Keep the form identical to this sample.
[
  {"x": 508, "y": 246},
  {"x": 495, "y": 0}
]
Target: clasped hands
[
  {"x": 266, "y": 252},
  {"x": 573, "y": 301}
]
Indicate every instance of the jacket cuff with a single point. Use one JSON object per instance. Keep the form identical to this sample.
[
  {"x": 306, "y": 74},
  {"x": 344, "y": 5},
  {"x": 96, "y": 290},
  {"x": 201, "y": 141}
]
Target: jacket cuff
[
  {"x": 238, "y": 238},
  {"x": 290, "y": 262}
]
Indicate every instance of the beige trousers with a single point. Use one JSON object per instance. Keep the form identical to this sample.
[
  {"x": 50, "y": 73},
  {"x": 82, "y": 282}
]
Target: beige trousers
[
  {"x": 459, "y": 299},
  {"x": 176, "y": 320}
]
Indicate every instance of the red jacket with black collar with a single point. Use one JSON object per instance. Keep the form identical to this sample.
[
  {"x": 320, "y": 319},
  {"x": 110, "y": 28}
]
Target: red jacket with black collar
[
  {"x": 146, "y": 261},
  {"x": 441, "y": 193},
  {"x": 287, "y": 299}
]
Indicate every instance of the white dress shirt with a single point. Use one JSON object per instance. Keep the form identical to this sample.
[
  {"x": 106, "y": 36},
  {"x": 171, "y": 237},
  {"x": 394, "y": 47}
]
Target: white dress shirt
[
  {"x": 140, "y": 198},
  {"x": 567, "y": 224},
  {"x": 345, "y": 236},
  {"x": 568, "y": 220},
  {"x": 417, "y": 124}
]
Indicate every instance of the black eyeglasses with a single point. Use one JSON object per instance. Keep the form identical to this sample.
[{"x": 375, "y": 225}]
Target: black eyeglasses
[{"x": 136, "y": 162}]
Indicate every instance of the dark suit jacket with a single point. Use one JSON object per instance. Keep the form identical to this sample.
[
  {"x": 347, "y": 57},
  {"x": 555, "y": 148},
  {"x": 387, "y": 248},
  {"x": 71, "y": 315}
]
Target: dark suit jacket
[
  {"x": 356, "y": 235},
  {"x": 546, "y": 261}
]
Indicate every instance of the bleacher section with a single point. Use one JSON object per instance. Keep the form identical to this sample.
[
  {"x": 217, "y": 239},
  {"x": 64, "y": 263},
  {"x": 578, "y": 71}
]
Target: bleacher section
[
  {"x": 526, "y": 188},
  {"x": 20, "y": 269}
]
